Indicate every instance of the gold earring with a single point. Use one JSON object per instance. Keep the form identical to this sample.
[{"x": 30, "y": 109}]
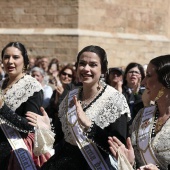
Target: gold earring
[
  {"x": 98, "y": 87},
  {"x": 160, "y": 93},
  {"x": 23, "y": 69}
]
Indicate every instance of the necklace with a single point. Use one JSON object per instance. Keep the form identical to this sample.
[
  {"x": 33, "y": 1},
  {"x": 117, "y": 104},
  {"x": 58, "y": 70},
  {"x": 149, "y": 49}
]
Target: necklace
[
  {"x": 158, "y": 123},
  {"x": 8, "y": 86},
  {"x": 86, "y": 102}
]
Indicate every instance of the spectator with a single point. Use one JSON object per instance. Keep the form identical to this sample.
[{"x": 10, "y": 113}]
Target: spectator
[
  {"x": 132, "y": 88},
  {"x": 66, "y": 76},
  {"x": 39, "y": 74},
  {"x": 44, "y": 62},
  {"x": 114, "y": 78},
  {"x": 31, "y": 64},
  {"x": 53, "y": 72}
]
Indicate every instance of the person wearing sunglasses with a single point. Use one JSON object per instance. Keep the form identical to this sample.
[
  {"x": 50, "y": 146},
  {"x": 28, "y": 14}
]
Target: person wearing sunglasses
[
  {"x": 114, "y": 78},
  {"x": 132, "y": 89},
  {"x": 66, "y": 76}
]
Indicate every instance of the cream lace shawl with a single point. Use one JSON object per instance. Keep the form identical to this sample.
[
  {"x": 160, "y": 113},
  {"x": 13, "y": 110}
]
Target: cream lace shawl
[
  {"x": 105, "y": 110},
  {"x": 160, "y": 144},
  {"x": 18, "y": 94},
  {"x": 21, "y": 91}
]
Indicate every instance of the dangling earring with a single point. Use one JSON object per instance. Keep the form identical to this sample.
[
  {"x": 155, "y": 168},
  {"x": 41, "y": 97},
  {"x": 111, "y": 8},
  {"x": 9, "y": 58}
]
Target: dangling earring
[
  {"x": 98, "y": 87},
  {"x": 160, "y": 93},
  {"x": 101, "y": 82},
  {"x": 23, "y": 69}
]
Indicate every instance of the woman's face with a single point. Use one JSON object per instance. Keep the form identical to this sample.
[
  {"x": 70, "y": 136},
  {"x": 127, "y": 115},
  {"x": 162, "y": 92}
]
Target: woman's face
[
  {"x": 133, "y": 76},
  {"x": 151, "y": 82},
  {"x": 115, "y": 77},
  {"x": 66, "y": 76},
  {"x": 38, "y": 76},
  {"x": 13, "y": 61},
  {"x": 53, "y": 68},
  {"x": 89, "y": 68}
]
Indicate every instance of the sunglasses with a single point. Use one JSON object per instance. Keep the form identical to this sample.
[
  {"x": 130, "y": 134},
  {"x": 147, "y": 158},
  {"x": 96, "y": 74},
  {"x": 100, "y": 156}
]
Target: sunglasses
[{"x": 66, "y": 74}]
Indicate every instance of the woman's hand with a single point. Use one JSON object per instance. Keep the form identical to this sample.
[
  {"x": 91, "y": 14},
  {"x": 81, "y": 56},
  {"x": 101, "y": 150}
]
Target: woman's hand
[
  {"x": 59, "y": 89},
  {"x": 148, "y": 167},
  {"x": 116, "y": 144},
  {"x": 137, "y": 85},
  {"x": 82, "y": 118},
  {"x": 119, "y": 86},
  {"x": 38, "y": 120}
]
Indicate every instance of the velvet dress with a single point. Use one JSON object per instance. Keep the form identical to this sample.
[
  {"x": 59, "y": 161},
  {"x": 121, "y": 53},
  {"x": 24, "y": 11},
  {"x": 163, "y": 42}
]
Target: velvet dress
[
  {"x": 25, "y": 95},
  {"x": 109, "y": 111}
]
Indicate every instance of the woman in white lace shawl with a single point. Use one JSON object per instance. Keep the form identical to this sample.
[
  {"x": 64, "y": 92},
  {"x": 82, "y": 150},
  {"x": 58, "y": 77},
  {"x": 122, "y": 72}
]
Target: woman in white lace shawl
[
  {"x": 20, "y": 93},
  {"x": 150, "y": 134},
  {"x": 101, "y": 112}
]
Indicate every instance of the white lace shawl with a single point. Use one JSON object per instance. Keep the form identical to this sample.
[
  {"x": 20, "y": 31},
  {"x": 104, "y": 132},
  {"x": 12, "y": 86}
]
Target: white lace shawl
[
  {"x": 21, "y": 91},
  {"x": 104, "y": 111},
  {"x": 160, "y": 144}
]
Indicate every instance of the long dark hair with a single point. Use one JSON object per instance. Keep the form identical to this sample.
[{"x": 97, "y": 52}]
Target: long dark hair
[{"x": 131, "y": 65}]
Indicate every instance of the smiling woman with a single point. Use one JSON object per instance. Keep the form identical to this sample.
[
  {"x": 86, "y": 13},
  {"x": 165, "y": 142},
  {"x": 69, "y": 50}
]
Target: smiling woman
[
  {"x": 87, "y": 116},
  {"x": 150, "y": 132}
]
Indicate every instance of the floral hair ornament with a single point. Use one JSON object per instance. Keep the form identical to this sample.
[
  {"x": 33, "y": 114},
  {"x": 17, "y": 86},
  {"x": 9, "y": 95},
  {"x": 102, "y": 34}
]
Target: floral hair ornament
[{"x": 160, "y": 93}]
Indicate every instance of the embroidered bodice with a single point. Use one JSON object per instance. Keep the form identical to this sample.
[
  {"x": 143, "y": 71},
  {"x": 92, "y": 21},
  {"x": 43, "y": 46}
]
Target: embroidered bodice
[
  {"x": 160, "y": 143},
  {"x": 108, "y": 106}
]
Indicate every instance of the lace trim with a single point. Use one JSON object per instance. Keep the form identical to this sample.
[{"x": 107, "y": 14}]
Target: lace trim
[
  {"x": 104, "y": 110},
  {"x": 160, "y": 143},
  {"x": 21, "y": 91}
]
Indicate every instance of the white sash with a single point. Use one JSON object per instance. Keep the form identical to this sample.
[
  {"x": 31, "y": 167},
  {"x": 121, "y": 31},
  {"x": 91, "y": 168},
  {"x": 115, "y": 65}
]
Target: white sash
[
  {"x": 144, "y": 136},
  {"x": 88, "y": 149},
  {"x": 19, "y": 147}
]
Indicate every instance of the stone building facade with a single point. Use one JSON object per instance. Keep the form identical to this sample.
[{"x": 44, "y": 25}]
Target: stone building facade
[{"x": 129, "y": 30}]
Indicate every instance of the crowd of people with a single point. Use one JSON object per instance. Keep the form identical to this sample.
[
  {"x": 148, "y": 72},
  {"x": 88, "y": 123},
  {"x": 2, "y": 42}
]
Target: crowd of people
[{"x": 83, "y": 116}]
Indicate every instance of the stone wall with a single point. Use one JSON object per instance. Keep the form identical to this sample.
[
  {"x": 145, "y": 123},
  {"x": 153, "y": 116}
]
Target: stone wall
[{"x": 128, "y": 30}]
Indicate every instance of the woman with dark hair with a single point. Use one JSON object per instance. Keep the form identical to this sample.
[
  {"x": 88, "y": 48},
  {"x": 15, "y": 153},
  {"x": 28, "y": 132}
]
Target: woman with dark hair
[
  {"x": 66, "y": 76},
  {"x": 151, "y": 127},
  {"x": 88, "y": 115},
  {"x": 132, "y": 89},
  {"x": 19, "y": 93},
  {"x": 53, "y": 71}
]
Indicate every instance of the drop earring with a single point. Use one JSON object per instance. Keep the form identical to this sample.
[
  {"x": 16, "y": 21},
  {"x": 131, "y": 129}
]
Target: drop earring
[
  {"x": 160, "y": 93},
  {"x": 98, "y": 87},
  {"x": 101, "y": 82},
  {"x": 23, "y": 69}
]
